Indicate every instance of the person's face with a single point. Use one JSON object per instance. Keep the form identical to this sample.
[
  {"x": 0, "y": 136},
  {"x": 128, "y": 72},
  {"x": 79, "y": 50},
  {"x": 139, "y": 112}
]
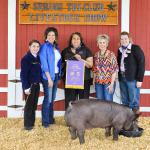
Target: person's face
[
  {"x": 102, "y": 44},
  {"x": 34, "y": 48},
  {"x": 124, "y": 40},
  {"x": 76, "y": 41},
  {"x": 51, "y": 37}
]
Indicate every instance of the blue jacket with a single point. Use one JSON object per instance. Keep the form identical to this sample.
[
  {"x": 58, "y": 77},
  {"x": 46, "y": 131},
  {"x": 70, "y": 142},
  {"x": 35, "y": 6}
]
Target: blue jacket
[
  {"x": 47, "y": 58},
  {"x": 30, "y": 70}
]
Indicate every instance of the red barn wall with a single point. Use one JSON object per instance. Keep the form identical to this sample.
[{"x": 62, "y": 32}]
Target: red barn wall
[
  {"x": 3, "y": 51},
  {"x": 3, "y": 34},
  {"x": 140, "y": 32},
  {"x": 27, "y": 32}
]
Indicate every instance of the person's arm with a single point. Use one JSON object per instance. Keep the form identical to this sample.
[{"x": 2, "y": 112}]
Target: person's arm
[
  {"x": 94, "y": 78},
  {"x": 50, "y": 82},
  {"x": 24, "y": 74},
  {"x": 111, "y": 86},
  {"x": 70, "y": 54},
  {"x": 94, "y": 69},
  {"x": 44, "y": 64},
  {"x": 140, "y": 58},
  {"x": 138, "y": 84},
  {"x": 114, "y": 67},
  {"x": 89, "y": 62},
  {"x": 113, "y": 78},
  {"x": 89, "y": 58}
]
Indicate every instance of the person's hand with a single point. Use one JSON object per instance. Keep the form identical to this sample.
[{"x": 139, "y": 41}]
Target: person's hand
[
  {"x": 93, "y": 82},
  {"x": 27, "y": 91},
  {"x": 110, "y": 88},
  {"x": 138, "y": 84},
  {"x": 78, "y": 57},
  {"x": 50, "y": 83}
]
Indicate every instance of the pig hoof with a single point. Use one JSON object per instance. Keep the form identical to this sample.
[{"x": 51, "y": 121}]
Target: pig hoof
[
  {"x": 73, "y": 137},
  {"x": 82, "y": 142},
  {"x": 107, "y": 134},
  {"x": 115, "y": 139}
]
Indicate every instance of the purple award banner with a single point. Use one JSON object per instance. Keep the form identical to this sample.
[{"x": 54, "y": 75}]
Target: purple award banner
[{"x": 75, "y": 74}]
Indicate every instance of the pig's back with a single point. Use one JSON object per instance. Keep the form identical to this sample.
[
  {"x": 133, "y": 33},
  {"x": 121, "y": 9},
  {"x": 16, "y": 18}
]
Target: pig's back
[{"x": 94, "y": 113}]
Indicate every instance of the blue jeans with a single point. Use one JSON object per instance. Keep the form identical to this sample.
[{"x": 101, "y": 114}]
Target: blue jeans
[
  {"x": 103, "y": 93},
  {"x": 49, "y": 97},
  {"x": 130, "y": 94}
]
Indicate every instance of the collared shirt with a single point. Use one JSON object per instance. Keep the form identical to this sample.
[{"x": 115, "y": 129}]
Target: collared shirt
[{"x": 124, "y": 55}]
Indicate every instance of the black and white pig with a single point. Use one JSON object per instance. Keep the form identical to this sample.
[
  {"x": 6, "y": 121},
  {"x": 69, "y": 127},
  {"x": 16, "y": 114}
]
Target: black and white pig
[{"x": 92, "y": 113}]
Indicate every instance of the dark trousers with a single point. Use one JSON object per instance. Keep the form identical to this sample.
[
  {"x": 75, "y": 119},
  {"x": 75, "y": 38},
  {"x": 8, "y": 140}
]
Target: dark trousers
[
  {"x": 31, "y": 105},
  {"x": 76, "y": 94}
]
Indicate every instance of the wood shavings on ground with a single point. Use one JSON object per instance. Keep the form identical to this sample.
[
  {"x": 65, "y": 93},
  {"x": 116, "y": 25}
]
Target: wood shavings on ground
[{"x": 57, "y": 137}]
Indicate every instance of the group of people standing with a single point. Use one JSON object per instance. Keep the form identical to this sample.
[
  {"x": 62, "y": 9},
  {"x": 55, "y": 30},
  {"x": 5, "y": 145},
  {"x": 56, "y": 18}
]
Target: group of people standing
[{"x": 46, "y": 64}]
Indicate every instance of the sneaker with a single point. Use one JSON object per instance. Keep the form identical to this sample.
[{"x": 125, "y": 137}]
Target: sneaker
[
  {"x": 45, "y": 126},
  {"x": 53, "y": 121},
  {"x": 28, "y": 128}
]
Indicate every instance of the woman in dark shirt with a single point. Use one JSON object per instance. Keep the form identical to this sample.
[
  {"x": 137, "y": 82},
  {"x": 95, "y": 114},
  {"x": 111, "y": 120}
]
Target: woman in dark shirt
[
  {"x": 131, "y": 61},
  {"x": 77, "y": 50}
]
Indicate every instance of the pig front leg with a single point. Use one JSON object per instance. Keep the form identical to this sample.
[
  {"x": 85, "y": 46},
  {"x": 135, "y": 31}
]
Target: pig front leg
[
  {"x": 73, "y": 133},
  {"x": 115, "y": 134},
  {"x": 108, "y": 131},
  {"x": 80, "y": 134}
]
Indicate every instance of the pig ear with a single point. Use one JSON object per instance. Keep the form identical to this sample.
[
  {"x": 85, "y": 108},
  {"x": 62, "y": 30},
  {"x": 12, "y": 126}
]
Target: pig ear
[{"x": 71, "y": 103}]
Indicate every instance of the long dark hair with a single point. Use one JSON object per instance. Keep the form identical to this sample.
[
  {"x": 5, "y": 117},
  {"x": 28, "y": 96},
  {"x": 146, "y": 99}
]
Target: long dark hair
[
  {"x": 51, "y": 29},
  {"x": 70, "y": 39}
]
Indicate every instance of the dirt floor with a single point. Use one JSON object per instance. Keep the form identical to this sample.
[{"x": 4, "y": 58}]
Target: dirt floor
[{"x": 57, "y": 137}]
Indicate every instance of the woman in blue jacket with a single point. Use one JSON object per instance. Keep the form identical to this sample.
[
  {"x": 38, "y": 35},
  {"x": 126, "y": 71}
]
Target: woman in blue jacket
[{"x": 51, "y": 70}]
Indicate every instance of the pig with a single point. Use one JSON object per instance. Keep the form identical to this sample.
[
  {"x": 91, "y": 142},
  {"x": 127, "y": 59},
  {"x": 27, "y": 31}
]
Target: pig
[{"x": 93, "y": 113}]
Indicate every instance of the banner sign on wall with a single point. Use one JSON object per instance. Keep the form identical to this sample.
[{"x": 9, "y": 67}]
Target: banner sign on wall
[
  {"x": 79, "y": 12},
  {"x": 75, "y": 74}
]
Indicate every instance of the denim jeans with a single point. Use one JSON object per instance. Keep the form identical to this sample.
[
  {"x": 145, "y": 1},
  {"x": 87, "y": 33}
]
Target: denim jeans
[
  {"x": 49, "y": 97},
  {"x": 103, "y": 93},
  {"x": 130, "y": 94}
]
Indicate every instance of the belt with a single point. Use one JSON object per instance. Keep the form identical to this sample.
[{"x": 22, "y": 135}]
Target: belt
[{"x": 35, "y": 83}]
